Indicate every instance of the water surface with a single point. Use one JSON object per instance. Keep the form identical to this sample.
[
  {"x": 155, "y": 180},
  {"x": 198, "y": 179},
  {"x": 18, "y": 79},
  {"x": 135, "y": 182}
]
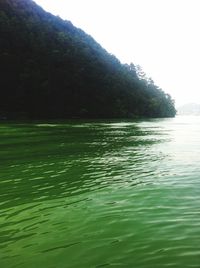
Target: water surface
[{"x": 100, "y": 194}]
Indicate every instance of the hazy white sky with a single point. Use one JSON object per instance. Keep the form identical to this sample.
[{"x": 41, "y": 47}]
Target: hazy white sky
[{"x": 163, "y": 36}]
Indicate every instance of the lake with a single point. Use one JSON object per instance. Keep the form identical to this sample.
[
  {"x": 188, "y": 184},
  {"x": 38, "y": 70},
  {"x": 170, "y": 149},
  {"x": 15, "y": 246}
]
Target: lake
[{"x": 100, "y": 194}]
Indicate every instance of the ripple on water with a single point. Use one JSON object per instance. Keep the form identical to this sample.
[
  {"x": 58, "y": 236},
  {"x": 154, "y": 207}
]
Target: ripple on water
[{"x": 104, "y": 194}]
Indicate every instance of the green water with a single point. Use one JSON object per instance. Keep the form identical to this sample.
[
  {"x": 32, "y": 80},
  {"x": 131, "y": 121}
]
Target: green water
[{"x": 100, "y": 194}]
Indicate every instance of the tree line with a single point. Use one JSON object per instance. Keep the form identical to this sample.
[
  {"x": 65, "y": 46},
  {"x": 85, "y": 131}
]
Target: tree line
[{"x": 51, "y": 69}]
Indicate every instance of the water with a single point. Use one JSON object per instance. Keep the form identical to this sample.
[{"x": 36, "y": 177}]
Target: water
[{"x": 100, "y": 194}]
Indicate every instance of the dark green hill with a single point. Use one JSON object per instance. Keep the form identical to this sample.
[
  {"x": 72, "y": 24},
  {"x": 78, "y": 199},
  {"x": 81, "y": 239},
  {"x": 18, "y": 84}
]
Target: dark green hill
[{"x": 51, "y": 69}]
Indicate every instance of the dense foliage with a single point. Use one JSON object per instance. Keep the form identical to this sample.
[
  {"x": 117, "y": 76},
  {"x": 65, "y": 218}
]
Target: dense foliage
[{"x": 51, "y": 69}]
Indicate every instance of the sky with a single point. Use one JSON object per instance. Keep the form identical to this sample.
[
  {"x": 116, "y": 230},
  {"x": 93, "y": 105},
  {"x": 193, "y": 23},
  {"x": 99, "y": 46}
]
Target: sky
[{"x": 162, "y": 36}]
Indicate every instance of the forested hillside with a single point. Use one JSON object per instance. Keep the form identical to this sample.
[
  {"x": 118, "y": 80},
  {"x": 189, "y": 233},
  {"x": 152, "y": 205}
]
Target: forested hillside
[{"x": 51, "y": 69}]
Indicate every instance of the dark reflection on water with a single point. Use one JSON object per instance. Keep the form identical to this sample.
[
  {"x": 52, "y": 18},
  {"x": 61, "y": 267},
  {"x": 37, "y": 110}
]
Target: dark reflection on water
[
  {"x": 95, "y": 194},
  {"x": 47, "y": 161}
]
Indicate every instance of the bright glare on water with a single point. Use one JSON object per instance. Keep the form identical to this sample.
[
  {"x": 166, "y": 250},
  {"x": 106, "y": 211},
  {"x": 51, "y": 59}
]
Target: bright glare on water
[{"x": 100, "y": 194}]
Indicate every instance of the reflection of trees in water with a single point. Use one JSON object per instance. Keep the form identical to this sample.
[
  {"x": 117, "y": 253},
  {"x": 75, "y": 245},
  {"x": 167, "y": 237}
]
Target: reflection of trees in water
[{"x": 49, "y": 161}]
